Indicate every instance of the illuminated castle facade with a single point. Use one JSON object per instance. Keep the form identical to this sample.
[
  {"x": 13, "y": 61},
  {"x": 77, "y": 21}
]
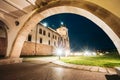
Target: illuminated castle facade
[{"x": 44, "y": 40}]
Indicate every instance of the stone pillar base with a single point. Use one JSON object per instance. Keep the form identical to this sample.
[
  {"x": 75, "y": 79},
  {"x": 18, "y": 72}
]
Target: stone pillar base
[{"x": 10, "y": 61}]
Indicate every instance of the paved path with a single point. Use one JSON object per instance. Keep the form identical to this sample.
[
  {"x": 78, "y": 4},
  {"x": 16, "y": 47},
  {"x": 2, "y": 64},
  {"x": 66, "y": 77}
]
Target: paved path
[
  {"x": 81, "y": 67},
  {"x": 48, "y": 71}
]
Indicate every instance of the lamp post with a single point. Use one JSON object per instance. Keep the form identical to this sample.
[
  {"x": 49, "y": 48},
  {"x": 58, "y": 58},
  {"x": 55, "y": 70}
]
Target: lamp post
[
  {"x": 59, "y": 52},
  {"x": 59, "y": 57}
]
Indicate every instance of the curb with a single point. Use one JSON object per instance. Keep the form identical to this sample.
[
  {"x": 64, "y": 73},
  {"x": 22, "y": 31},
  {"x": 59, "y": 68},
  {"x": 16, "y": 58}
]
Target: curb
[{"x": 87, "y": 68}]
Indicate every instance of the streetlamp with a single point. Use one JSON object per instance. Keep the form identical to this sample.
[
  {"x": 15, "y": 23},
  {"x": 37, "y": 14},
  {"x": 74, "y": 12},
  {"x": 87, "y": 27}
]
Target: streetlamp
[{"x": 59, "y": 52}]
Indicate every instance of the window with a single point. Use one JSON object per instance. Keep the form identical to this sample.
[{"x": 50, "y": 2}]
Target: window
[
  {"x": 40, "y": 31},
  {"x": 54, "y": 43},
  {"x": 53, "y": 36},
  {"x": 49, "y": 42},
  {"x": 40, "y": 40},
  {"x": 56, "y": 37},
  {"x": 48, "y": 34},
  {"x": 29, "y": 37},
  {"x": 44, "y": 32}
]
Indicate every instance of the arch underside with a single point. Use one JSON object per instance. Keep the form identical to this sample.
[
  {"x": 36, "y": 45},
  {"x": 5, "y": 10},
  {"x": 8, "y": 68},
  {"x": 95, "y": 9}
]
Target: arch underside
[
  {"x": 104, "y": 19},
  {"x": 3, "y": 39}
]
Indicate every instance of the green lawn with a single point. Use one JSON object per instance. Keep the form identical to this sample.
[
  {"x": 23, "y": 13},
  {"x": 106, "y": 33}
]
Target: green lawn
[{"x": 103, "y": 61}]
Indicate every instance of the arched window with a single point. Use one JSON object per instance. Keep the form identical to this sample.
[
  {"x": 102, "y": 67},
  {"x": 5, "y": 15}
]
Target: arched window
[
  {"x": 44, "y": 32},
  {"x": 40, "y": 31},
  {"x": 40, "y": 40}
]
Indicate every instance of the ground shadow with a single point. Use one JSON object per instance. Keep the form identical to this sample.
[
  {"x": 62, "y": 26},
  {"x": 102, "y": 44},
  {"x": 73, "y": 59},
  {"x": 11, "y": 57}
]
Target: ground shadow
[{"x": 112, "y": 77}]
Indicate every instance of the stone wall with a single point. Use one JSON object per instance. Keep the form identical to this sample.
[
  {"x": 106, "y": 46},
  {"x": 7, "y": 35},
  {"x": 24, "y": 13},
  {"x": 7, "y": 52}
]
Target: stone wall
[
  {"x": 3, "y": 46},
  {"x": 30, "y": 48}
]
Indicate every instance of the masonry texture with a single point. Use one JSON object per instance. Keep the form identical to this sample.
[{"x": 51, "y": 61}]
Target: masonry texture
[{"x": 30, "y": 48}]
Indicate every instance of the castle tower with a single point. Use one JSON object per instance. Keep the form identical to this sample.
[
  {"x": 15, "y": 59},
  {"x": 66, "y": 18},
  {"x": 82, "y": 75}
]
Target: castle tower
[
  {"x": 63, "y": 31},
  {"x": 64, "y": 40}
]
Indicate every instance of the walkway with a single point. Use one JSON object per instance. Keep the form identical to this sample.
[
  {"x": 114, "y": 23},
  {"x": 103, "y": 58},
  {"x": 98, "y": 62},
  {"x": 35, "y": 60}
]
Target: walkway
[
  {"x": 49, "y": 71},
  {"x": 81, "y": 67}
]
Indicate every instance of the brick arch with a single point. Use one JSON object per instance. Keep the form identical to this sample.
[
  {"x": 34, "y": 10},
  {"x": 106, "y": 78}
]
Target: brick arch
[{"x": 97, "y": 18}]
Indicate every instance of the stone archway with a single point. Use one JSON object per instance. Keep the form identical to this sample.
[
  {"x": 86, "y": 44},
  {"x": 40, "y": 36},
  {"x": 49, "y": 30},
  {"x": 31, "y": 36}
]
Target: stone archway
[
  {"x": 104, "y": 21},
  {"x": 3, "y": 39}
]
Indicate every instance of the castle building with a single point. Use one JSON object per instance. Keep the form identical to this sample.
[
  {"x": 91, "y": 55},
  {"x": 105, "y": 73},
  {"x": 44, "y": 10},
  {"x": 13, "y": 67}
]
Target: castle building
[{"x": 44, "y": 40}]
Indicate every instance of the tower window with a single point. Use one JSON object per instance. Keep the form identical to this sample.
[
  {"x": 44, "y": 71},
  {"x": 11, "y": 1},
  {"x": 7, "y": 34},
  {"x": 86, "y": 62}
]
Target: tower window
[
  {"x": 40, "y": 40},
  {"x": 29, "y": 37}
]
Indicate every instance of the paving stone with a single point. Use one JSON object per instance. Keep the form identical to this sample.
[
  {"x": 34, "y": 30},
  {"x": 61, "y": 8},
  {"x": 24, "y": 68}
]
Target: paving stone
[
  {"x": 100, "y": 69},
  {"x": 87, "y": 68},
  {"x": 94, "y": 68},
  {"x": 80, "y": 67},
  {"x": 111, "y": 70}
]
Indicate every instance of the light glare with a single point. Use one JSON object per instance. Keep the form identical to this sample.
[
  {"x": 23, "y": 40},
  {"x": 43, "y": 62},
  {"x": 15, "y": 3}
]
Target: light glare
[
  {"x": 59, "y": 51},
  {"x": 61, "y": 23},
  {"x": 45, "y": 24},
  {"x": 88, "y": 53}
]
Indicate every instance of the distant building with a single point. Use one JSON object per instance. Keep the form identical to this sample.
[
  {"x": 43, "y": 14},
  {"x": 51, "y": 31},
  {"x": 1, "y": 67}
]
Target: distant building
[{"x": 44, "y": 40}]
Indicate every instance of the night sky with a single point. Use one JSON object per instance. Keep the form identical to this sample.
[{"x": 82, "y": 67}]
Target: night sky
[{"x": 83, "y": 33}]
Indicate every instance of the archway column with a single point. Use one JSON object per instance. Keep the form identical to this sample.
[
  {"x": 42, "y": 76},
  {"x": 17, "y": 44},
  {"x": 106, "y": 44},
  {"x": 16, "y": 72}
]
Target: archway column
[{"x": 23, "y": 35}]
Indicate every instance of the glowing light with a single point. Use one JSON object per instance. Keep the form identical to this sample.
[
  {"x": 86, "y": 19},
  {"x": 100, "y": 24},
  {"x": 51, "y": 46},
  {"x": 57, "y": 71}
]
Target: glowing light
[
  {"x": 78, "y": 53},
  {"x": 59, "y": 51},
  {"x": 62, "y": 23},
  {"x": 88, "y": 53},
  {"x": 45, "y": 24},
  {"x": 94, "y": 54}
]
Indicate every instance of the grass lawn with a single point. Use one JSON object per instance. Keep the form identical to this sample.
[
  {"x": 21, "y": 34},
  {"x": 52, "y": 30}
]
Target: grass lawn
[{"x": 111, "y": 60}]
